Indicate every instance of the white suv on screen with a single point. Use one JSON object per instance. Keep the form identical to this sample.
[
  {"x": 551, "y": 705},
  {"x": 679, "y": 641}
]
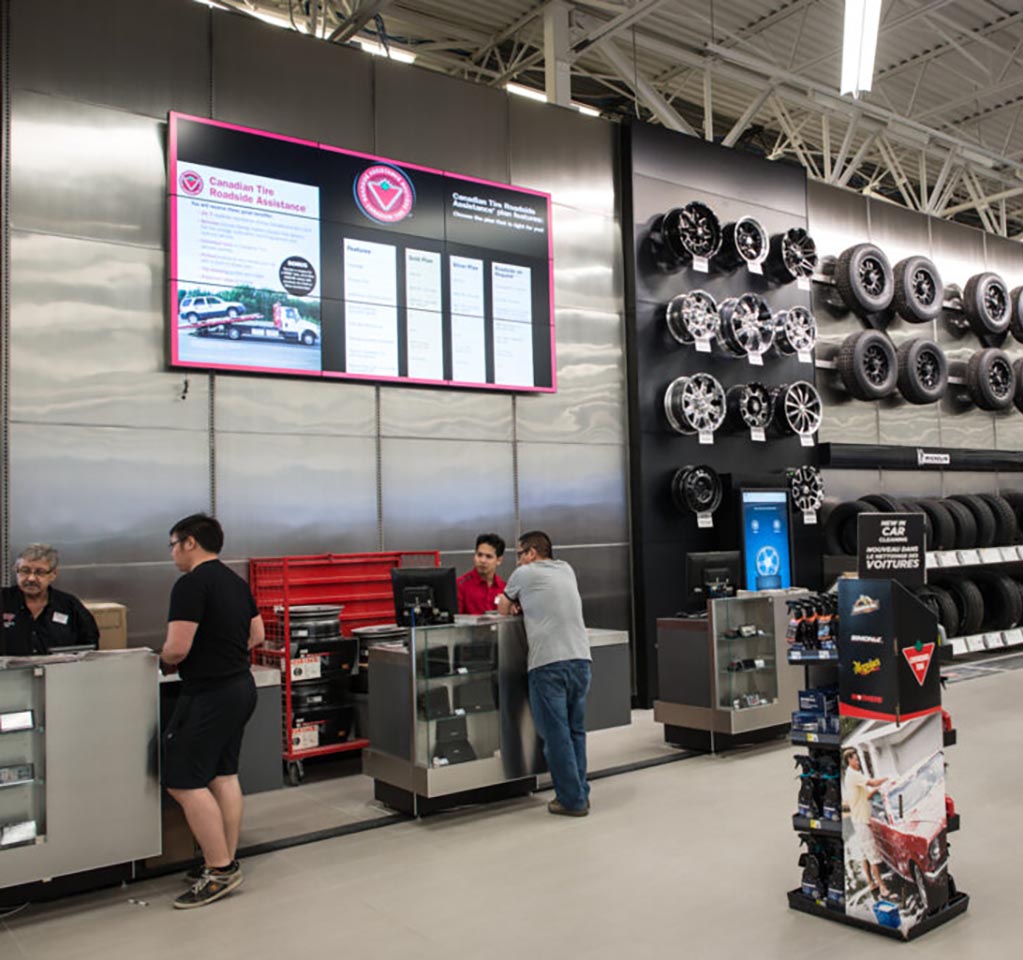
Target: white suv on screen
[{"x": 208, "y": 308}]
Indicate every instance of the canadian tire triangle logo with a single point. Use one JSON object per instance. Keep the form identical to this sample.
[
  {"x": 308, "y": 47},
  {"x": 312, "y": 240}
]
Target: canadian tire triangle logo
[{"x": 919, "y": 660}]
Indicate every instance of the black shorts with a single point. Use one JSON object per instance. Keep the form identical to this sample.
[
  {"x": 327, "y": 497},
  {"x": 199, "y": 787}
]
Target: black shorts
[{"x": 204, "y": 737}]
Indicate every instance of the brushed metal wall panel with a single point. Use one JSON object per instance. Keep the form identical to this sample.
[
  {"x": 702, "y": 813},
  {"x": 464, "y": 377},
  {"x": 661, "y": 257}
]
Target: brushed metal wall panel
[
  {"x": 445, "y": 414},
  {"x": 907, "y": 424},
  {"x": 437, "y": 121},
  {"x": 102, "y": 493},
  {"x": 842, "y": 485},
  {"x": 589, "y": 405},
  {"x": 836, "y": 217},
  {"x": 563, "y": 153},
  {"x": 144, "y": 588},
  {"x": 280, "y": 405},
  {"x": 604, "y": 580},
  {"x": 911, "y": 483},
  {"x": 87, "y": 171},
  {"x": 575, "y": 492},
  {"x": 142, "y": 57},
  {"x": 965, "y": 482},
  {"x": 844, "y": 419},
  {"x": 1008, "y": 430},
  {"x": 963, "y": 425},
  {"x": 289, "y": 97},
  {"x": 1004, "y": 257},
  {"x": 88, "y": 340},
  {"x": 587, "y": 260},
  {"x": 439, "y": 494},
  {"x": 279, "y": 494},
  {"x": 957, "y": 250}
]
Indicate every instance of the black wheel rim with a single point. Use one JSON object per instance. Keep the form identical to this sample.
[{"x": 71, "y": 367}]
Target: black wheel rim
[
  {"x": 703, "y": 403},
  {"x": 799, "y": 329},
  {"x": 995, "y": 302},
  {"x": 799, "y": 253},
  {"x": 749, "y": 240},
  {"x": 876, "y": 365},
  {"x": 755, "y": 405},
  {"x": 701, "y": 489},
  {"x": 752, "y": 326},
  {"x": 999, "y": 378},
  {"x": 928, "y": 369},
  {"x": 923, "y": 287},
  {"x": 807, "y": 488},
  {"x": 872, "y": 276},
  {"x": 700, "y": 232}
]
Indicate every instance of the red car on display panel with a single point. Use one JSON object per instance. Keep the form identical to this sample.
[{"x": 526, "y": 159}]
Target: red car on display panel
[{"x": 908, "y": 821}]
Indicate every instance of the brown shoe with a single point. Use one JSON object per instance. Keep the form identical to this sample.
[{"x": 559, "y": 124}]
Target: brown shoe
[{"x": 558, "y": 808}]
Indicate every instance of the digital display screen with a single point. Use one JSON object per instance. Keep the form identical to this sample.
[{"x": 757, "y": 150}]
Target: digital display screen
[
  {"x": 767, "y": 558},
  {"x": 295, "y": 257}
]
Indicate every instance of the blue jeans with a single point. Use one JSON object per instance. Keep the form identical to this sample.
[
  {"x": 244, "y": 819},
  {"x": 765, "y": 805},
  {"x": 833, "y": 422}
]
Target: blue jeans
[{"x": 557, "y": 697}]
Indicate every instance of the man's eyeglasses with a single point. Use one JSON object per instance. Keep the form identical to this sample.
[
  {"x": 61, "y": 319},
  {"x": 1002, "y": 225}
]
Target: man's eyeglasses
[
  {"x": 522, "y": 553},
  {"x": 171, "y": 544},
  {"x": 30, "y": 572}
]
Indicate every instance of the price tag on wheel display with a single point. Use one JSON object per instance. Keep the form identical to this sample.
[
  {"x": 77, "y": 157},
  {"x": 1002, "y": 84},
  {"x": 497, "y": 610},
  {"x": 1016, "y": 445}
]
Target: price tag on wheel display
[
  {"x": 802, "y": 283},
  {"x": 757, "y": 435},
  {"x": 806, "y": 439},
  {"x": 702, "y": 345},
  {"x": 702, "y": 264},
  {"x": 810, "y": 518},
  {"x": 755, "y": 267},
  {"x": 755, "y": 359},
  {"x": 704, "y": 520},
  {"x": 706, "y": 437},
  {"x": 804, "y": 356}
]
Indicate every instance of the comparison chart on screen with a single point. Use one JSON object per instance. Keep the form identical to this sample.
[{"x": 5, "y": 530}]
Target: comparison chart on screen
[{"x": 294, "y": 257}]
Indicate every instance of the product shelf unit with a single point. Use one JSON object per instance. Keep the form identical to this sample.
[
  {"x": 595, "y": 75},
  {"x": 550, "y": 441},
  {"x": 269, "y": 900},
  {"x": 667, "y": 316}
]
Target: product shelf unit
[
  {"x": 22, "y": 758},
  {"x": 319, "y": 706}
]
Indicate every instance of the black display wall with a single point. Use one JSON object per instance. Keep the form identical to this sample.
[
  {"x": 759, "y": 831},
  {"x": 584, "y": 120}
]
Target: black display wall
[{"x": 662, "y": 170}]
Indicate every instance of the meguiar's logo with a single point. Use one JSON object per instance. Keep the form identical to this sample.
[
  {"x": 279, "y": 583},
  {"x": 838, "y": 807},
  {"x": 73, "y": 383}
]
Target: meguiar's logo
[
  {"x": 191, "y": 182},
  {"x": 864, "y": 668},
  {"x": 384, "y": 194}
]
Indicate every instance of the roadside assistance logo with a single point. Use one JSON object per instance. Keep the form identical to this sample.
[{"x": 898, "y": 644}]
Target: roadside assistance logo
[
  {"x": 864, "y": 668},
  {"x": 384, "y": 194},
  {"x": 191, "y": 182},
  {"x": 865, "y": 604},
  {"x": 919, "y": 660}
]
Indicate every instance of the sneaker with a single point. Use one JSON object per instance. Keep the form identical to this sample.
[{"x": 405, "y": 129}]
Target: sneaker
[
  {"x": 195, "y": 874},
  {"x": 556, "y": 807},
  {"x": 212, "y": 885}
]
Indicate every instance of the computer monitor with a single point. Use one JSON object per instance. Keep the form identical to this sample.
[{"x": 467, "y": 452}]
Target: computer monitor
[
  {"x": 766, "y": 548},
  {"x": 427, "y": 595},
  {"x": 710, "y": 576}
]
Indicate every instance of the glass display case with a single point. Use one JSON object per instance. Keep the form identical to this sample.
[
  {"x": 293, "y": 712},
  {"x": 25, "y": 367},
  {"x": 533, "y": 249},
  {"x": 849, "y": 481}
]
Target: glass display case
[
  {"x": 22, "y": 757},
  {"x": 457, "y": 696},
  {"x": 744, "y": 653}
]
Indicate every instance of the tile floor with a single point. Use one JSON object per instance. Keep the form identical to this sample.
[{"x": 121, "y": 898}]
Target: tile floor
[{"x": 683, "y": 859}]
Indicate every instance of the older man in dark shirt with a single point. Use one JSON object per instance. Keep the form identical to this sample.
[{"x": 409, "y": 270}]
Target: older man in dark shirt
[{"x": 37, "y": 617}]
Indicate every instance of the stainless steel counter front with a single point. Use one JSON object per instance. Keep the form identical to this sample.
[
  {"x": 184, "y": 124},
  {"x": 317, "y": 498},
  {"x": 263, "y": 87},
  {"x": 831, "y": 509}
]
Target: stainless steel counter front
[{"x": 93, "y": 743}]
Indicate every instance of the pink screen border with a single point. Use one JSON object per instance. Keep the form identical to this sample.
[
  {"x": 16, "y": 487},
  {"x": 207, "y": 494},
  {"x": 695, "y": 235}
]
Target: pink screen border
[{"x": 172, "y": 152}]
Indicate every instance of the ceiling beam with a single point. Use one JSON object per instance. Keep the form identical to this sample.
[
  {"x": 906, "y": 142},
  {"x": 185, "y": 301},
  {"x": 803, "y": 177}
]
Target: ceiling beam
[
  {"x": 643, "y": 89},
  {"x": 368, "y": 9}
]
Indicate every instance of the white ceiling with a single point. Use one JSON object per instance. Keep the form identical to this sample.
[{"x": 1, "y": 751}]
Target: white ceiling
[{"x": 942, "y": 130}]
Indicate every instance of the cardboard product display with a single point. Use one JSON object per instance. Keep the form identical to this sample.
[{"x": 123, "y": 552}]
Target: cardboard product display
[{"x": 112, "y": 620}]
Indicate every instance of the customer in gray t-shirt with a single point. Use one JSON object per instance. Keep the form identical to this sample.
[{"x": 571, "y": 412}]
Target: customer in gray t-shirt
[{"x": 545, "y": 592}]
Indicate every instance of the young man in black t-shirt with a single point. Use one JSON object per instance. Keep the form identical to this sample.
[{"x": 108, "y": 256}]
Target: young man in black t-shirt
[{"x": 212, "y": 625}]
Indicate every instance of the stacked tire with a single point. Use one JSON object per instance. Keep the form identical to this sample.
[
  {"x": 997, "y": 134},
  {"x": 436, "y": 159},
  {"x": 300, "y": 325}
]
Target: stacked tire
[{"x": 981, "y": 602}]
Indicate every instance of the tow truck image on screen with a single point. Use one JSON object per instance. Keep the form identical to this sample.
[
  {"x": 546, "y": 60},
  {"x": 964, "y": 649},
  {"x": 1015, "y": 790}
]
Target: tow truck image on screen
[{"x": 232, "y": 320}]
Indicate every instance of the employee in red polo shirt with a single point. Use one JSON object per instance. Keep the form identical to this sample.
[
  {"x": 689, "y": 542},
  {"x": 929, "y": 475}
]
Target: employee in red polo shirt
[{"x": 479, "y": 589}]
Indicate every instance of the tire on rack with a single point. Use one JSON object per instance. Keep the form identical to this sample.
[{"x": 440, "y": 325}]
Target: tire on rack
[
  {"x": 991, "y": 379},
  {"x": 969, "y": 603},
  {"x": 1003, "y": 607},
  {"x": 692, "y": 316},
  {"x": 864, "y": 279},
  {"x": 696, "y": 489},
  {"x": 1017, "y": 397},
  {"x": 986, "y": 304},
  {"x": 1015, "y": 500},
  {"x": 882, "y": 503},
  {"x": 1006, "y": 525},
  {"x": 922, "y": 370},
  {"x": 919, "y": 292},
  {"x": 744, "y": 241},
  {"x": 941, "y": 523},
  {"x": 941, "y": 602},
  {"x": 908, "y": 505},
  {"x": 868, "y": 365},
  {"x": 1016, "y": 313},
  {"x": 792, "y": 256},
  {"x": 840, "y": 527},
  {"x": 983, "y": 515},
  {"x": 748, "y": 406},
  {"x": 797, "y": 409},
  {"x": 964, "y": 523}
]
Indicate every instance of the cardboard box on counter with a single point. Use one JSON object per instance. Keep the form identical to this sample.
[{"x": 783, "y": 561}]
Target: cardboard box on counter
[{"x": 112, "y": 620}]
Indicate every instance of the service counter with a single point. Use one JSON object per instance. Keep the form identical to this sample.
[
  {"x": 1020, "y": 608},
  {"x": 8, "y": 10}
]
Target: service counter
[
  {"x": 449, "y": 718},
  {"x": 79, "y": 763}
]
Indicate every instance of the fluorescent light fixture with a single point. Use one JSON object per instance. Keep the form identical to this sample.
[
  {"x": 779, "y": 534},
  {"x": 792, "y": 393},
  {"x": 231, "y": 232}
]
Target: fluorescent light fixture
[
  {"x": 390, "y": 52},
  {"x": 527, "y": 92},
  {"x": 859, "y": 44},
  {"x": 589, "y": 111}
]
